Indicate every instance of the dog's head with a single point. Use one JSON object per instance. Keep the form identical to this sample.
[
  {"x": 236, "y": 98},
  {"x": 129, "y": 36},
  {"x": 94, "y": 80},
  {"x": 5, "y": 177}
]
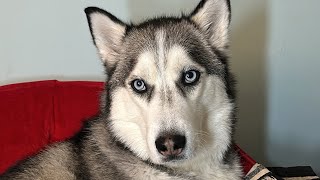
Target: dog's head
[{"x": 169, "y": 98}]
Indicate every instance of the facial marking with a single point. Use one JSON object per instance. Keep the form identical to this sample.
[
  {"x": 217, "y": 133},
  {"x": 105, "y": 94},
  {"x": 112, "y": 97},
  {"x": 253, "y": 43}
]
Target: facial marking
[
  {"x": 178, "y": 62},
  {"x": 145, "y": 70},
  {"x": 161, "y": 62},
  {"x": 161, "y": 58}
]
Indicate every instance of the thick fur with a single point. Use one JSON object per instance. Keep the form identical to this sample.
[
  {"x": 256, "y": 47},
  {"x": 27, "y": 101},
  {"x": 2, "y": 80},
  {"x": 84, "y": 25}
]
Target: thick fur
[{"x": 120, "y": 142}]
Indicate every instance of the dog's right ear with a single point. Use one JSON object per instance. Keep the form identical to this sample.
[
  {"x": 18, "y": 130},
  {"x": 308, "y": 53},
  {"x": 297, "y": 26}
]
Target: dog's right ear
[
  {"x": 107, "y": 33},
  {"x": 213, "y": 18}
]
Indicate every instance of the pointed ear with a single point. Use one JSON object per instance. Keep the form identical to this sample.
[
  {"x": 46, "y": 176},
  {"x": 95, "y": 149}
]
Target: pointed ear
[
  {"x": 107, "y": 33},
  {"x": 213, "y": 18}
]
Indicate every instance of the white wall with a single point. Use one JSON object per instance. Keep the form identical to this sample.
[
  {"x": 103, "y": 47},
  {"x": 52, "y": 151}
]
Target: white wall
[
  {"x": 49, "y": 40},
  {"x": 293, "y": 83},
  {"x": 274, "y": 51},
  {"x": 275, "y": 55}
]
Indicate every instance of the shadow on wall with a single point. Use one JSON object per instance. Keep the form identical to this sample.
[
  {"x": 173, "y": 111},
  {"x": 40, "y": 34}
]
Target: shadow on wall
[
  {"x": 248, "y": 49},
  {"x": 293, "y": 154},
  {"x": 248, "y": 63}
]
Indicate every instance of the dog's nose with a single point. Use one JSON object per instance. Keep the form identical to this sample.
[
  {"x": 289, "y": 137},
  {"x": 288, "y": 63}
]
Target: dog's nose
[{"x": 170, "y": 145}]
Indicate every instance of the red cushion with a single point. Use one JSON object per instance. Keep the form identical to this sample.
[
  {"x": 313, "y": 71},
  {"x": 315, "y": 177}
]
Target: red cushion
[
  {"x": 37, "y": 113},
  {"x": 246, "y": 161},
  {"x": 25, "y": 116},
  {"x": 73, "y": 102}
]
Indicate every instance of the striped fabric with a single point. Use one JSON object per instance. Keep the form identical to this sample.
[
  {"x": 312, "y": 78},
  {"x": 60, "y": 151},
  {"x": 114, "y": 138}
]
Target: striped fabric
[{"x": 259, "y": 172}]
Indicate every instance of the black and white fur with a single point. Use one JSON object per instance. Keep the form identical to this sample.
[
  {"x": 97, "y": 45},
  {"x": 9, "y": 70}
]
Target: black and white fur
[{"x": 120, "y": 142}]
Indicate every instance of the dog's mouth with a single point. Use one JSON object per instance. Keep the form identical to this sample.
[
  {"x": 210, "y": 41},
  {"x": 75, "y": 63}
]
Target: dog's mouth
[{"x": 173, "y": 159}]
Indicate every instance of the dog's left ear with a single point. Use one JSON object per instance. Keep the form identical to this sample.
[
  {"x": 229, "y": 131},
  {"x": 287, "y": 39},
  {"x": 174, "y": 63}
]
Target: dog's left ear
[{"x": 213, "y": 18}]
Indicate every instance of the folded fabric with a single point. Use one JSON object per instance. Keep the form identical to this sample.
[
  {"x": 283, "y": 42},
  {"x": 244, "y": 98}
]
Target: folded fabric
[{"x": 259, "y": 172}]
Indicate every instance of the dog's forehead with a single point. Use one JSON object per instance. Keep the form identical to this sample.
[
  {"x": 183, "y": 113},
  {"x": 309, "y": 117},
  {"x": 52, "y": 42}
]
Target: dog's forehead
[
  {"x": 161, "y": 35},
  {"x": 161, "y": 54},
  {"x": 172, "y": 32},
  {"x": 146, "y": 36},
  {"x": 164, "y": 63}
]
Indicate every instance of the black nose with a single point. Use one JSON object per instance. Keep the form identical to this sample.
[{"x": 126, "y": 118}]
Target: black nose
[{"x": 170, "y": 145}]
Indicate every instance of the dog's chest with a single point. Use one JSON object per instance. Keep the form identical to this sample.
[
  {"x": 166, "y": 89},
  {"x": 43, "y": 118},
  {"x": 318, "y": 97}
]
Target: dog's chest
[{"x": 155, "y": 174}]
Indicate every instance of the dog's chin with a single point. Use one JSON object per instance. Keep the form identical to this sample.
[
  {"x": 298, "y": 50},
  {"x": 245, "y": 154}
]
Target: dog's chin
[
  {"x": 174, "y": 159},
  {"x": 170, "y": 160}
]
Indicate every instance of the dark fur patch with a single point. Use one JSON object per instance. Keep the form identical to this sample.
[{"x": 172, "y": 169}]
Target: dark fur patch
[
  {"x": 150, "y": 93},
  {"x": 230, "y": 155},
  {"x": 18, "y": 168},
  {"x": 228, "y": 77}
]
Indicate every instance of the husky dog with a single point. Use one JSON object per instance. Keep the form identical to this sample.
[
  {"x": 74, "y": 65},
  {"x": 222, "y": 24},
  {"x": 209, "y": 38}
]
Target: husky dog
[{"x": 167, "y": 111}]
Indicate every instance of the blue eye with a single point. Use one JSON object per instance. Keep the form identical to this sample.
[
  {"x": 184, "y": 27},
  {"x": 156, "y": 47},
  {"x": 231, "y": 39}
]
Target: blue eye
[
  {"x": 139, "y": 86},
  {"x": 190, "y": 77}
]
